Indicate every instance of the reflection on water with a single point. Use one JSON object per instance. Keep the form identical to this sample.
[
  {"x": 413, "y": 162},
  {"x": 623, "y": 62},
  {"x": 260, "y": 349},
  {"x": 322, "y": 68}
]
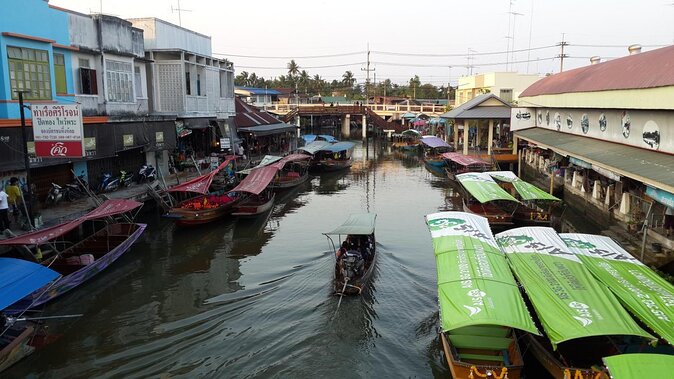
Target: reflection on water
[{"x": 253, "y": 298}]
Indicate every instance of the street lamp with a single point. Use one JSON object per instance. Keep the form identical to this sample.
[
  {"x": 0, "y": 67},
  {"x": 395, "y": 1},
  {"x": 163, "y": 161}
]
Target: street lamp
[{"x": 26, "y": 201}]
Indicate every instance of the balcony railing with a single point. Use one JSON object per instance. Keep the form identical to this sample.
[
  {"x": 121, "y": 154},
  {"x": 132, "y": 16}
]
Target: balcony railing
[{"x": 379, "y": 108}]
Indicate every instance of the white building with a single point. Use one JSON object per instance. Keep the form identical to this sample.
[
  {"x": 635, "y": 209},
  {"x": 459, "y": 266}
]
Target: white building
[{"x": 506, "y": 85}]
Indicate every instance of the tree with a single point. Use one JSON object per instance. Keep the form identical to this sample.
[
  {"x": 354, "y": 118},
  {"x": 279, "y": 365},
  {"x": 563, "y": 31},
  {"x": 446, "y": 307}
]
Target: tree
[
  {"x": 293, "y": 68},
  {"x": 348, "y": 79},
  {"x": 241, "y": 79},
  {"x": 304, "y": 79}
]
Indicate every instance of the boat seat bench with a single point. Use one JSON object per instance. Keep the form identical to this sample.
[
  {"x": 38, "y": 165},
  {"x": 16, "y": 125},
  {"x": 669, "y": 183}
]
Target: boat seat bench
[
  {"x": 485, "y": 331},
  {"x": 480, "y": 342},
  {"x": 482, "y": 357}
]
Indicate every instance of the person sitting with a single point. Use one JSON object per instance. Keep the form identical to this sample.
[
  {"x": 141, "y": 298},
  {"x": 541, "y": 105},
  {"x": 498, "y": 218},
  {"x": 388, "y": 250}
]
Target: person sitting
[{"x": 341, "y": 252}]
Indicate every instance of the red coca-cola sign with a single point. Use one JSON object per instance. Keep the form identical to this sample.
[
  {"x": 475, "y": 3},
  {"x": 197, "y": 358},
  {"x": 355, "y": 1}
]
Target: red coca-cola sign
[{"x": 59, "y": 149}]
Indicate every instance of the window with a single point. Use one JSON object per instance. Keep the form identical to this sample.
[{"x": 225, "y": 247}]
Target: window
[
  {"x": 88, "y": 84},
  {"x": 198, "y": 84},
  {"x": 138, "y": 81},
  {"x": 188, "y": 90},
  {"x": 506, "y": 94},
  {"x": 83, "y": 62},
  {"x": 29, "y": 71},
  {"x": 119, "y": 77},
  {"x": 60, "y": 73}
]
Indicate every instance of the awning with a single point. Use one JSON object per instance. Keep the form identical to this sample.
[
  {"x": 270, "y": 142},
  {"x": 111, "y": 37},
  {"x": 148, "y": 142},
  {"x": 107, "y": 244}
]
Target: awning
[
  {"x": 108, "y": 208},
  {"x": 257, "y": 180},
  {"x": 433, "y": 142},
  {"x": 650, "y": 167},
  {"x": 197, "y": 123},
  {"x": 643, "y": 365},
  {"x": 201, "y": 183},
  {"x": 265, "y": 130},
  {"x": 357, "y": 223},
  {"x": 465, "y": 160},
  {"x": 19, "y": 278}
]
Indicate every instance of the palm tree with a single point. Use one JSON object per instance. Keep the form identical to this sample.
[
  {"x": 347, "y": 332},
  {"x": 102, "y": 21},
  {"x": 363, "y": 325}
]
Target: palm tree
[
  {"x": 304, "y": 79},
  {"x": 241, "y": 79},
  {"x": 293, "y": 68},
  {"x": 348, "y": 79}
]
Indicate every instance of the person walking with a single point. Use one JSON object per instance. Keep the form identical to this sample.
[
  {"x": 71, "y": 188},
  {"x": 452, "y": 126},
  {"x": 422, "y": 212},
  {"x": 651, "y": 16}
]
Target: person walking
[
  {"x": 14, "y": 197},
  {"x": 4, "y": 210}
]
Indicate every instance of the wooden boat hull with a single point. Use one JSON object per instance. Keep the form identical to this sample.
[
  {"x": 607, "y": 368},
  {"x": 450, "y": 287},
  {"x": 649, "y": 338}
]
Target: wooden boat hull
[
  {"x": 553, "y": 365},
  {"x": 474, "y": 369},
  {"x": 356, "y": 287},
  {"x": 496, "y": 216},
  {"x": 435, "y": 162},
  {"x": 191, "y": 217},
  {"x": 531, "y": 217},
  {"x": 18, "y": 348},
  {"x": 121, "y": 236},
  {"x": 252, "y": 206},
  {"x": 288, "y": 182},
  {"x": 327, "y": 165}
]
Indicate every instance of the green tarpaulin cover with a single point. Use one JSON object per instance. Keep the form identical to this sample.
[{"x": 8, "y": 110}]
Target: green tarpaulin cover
[
  {"x": 357, "y": 223},
  {"x": 643, "y": 292},
  {"x": 527, "y": 191},
  {"x": 483, "y": 188},
  {"x": 475, "y": 284},
  {"x": 637, "y": 366},
  {"x": 569, "y": 301}
]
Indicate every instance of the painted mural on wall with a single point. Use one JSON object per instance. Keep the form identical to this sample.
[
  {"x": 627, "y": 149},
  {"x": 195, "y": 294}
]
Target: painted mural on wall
[{"x": 644, "y": 129}]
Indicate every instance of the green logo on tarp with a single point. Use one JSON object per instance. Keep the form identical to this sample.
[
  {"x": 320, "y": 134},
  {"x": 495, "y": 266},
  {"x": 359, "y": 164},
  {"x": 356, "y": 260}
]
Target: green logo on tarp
[
  {"x": 444, "y": 223},
  {"x": 514, "y": 240},
  {"x": 578, "y": 244}
]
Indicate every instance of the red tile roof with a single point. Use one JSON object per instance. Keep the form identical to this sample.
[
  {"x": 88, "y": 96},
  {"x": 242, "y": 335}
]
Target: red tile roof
[
  {"x": 248, "y": 115},
  {"x": 651, "y": 69}
]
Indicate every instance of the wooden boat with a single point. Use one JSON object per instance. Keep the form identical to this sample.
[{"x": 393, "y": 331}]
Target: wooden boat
[
  {"x": 259, "y": 198},
  {"x": 457, "y": 163},
  {"x": 254, "y": 205},
  {"x": 482, "y": 195},
  {"x": 410, "y": 141},
  {"x": 293, "y": 171},
  {"x": 78, "y": 253},
  {"x": 202, "y": 207},
  {"x": 434, "y": 147},
  {"x": 18, "y": 279},
  {"x": 327, "y": 156},
  {"x": 628, "y": 366},
  {"x": 583, "y": 320},
  {"x": 535, "y": 207},
  {"x": 480, "y": 303},
  {"x": 356, "y": 256}
]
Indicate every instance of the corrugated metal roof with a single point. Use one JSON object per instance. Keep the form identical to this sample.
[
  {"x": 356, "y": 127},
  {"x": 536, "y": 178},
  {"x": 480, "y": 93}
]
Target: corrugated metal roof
[
  {"x": 472, "y": 109},
  {"x": 650, "y": 167},
  {"x": 248, "y": 115},
  {"x": 259, "y": 91},
  {"x": 651, "y": 69}
]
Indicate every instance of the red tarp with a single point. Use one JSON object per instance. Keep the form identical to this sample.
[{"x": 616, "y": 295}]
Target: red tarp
[
  {"x": 108, "y": 208},
  {"x": 257, "y": 180},
  {"x": 201, "y": 183},
  {"x": 464, "y": 160},
  {"x": 290, "y": 158}
]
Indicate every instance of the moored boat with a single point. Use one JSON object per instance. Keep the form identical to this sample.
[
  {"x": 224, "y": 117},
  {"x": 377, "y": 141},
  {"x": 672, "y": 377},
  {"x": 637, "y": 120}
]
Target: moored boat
[
  {"x": 356, "y": 255},
  {"x": 482, "y": 196},
  {"x": 535, "y": 207},
  {"x": 434, "y": 147},
  {"x": 410, "y": 141},
  {"x": 583, "y": 321},
  {"x": 293, "y": 171},
  {"x": 260, "y": 198},
  {"x": 457, "y": 163},
  {"x": 18, "y": 279},
  {"x": 77, "y": 249},
  {"x": 480, "y": 303},
  {"x": 327, "y": 156}
]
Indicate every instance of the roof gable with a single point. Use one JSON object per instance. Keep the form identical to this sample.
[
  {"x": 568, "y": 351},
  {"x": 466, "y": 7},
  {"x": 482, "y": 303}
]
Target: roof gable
[{"x": 247, "y": 115}]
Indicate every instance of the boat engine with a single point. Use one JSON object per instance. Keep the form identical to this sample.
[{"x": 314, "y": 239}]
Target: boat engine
[{"x": 352, "y": 266}]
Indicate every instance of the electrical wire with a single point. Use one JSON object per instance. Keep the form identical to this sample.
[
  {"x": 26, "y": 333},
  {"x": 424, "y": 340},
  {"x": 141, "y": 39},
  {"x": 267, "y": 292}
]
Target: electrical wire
[
  {"x": 293, "y": 57},
  {"x": 461, "y": 54},
  {"x": 461, "y": 65},
  {"x": 303, "y": 67}
]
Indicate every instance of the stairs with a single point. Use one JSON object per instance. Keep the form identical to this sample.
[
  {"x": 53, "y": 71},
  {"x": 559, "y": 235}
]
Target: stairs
[{"x": 377, "y": 120}]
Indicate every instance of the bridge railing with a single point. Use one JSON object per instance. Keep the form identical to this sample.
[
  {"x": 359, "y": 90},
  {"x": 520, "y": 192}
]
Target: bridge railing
[{"x": 379, "y": 108}]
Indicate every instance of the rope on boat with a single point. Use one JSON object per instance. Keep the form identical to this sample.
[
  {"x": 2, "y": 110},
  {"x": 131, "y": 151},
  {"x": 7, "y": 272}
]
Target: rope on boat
[{"x": 488, "y": 373}]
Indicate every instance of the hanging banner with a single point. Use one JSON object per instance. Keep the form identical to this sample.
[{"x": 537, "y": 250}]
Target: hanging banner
[
  {"x": 58, "y": 130},
  {"x": 662, "y": 197}
]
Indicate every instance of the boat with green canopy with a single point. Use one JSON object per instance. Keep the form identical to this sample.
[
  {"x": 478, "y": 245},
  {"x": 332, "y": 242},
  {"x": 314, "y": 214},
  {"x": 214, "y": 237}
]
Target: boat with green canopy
[
  {"x": 582, "y": 319},
  {"x": 410, "y": 140},
  {"x": 356, "y": 256},
  {"x": 642, "y": 291},
  {"x": 480, "y": 302},
  {"x": 484, "y": 197},
  {"x": 535, "y": 207},
  {"x": 631, "y": 366}
]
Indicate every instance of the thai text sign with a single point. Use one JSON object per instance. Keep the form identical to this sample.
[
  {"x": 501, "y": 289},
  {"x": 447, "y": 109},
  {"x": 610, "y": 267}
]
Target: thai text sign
[{"x": 58, "y": 130}]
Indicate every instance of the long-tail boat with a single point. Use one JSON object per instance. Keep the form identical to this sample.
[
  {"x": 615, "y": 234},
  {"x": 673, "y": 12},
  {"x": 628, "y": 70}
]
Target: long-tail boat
[
  {"x": 481, "y": 196},
  {"x": 260, "y": 198},
  {"x": 457, "y": 163},
  {"x": 77, "y": 249},
  {"x": 410, "y": 141},
  {"x": 18, "y": 279},
  {"x": 356, "y": 255},
  {"x": 434, "y": 147},
  {"x": 293, "y": 170},
  {"x": 480, "y": 303},
  {"x": 582, "y": 319},
  {"x": 205, "y": 207},
  {"x": 326, "y": 156},
  {"x": 535, "y": 207}
]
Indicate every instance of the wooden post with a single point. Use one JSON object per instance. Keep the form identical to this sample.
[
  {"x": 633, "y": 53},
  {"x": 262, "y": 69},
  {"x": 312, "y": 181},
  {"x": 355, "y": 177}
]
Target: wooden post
[
  {"x": 466, "y": 129},
  {"x": 490, "y": 136}
]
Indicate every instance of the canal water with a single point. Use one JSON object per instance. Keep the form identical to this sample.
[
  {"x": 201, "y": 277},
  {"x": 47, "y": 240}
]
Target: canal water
[{"x": 252, "y": 299}]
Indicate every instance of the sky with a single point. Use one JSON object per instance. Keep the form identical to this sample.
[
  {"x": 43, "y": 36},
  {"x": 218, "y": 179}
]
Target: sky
[{"x": 436, "y": 40}]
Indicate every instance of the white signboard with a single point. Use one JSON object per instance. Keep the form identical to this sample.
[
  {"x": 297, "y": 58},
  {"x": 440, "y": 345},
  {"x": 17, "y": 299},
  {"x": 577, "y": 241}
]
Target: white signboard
[
  {"x": 57, "y": 130},
  {"x": 224, "y": 143},
  {"x": 522, "y": 118}
]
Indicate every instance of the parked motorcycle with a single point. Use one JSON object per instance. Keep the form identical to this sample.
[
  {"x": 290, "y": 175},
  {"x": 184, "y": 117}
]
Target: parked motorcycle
[
  {"x": 108, "y": 183},
  {"x": 79, "y": 188},
  {"x": 147, "y": 173},
  {"x": 125, "y": 178},
  {"x": 55, "y": 195}
]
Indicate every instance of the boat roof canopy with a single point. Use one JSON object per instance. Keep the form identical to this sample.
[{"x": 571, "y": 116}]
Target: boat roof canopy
[
  {"x": 465, "y": 160},
  {"x": 108, "y": 208},
  {"x": 527, "y": 191},
  {"x": 201, "y": 183},
  {"x": 339, "y": 146},
  {"x": 640, "y": 365},
  {"x": 312, "y": 137},
  {"x": 483, "y": 188},
  {"x": 569, "y": 301},
  {"x": 412, "y": 132},
  {"x": 473, "y": 272},
  {"x": 257, "y": 180},
  {"x": 357, "y": 224},
  {"x": 266, "y": 161},
  {"x": 20, "y": 278},
  {"x": 432, "y": 141},
  {"x": 313, "y": 147}
]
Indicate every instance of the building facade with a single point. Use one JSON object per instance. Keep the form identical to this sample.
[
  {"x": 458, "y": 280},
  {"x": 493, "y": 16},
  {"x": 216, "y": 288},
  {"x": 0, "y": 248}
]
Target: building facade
[{"x": 506, "y": 85}]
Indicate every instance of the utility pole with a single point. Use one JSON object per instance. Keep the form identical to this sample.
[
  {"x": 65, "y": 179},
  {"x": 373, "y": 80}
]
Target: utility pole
[
  {"x": 512, "y": 50},
  {"x": 179, "y": 10},
  {"x": 27, "y": 200},
  {"x": 449, "y": 85},
  {"x": 562, "y": 55},
  {"x": 367, "y": 78}
]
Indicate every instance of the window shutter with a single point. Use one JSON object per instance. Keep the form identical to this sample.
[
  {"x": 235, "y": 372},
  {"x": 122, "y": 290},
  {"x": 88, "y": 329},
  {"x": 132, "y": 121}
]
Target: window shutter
[{"x": 93, "y": 81}]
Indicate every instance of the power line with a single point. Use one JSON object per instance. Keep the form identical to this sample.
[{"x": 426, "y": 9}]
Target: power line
[
  {"x": 459, "y": 65},
  {"x": 304, "y": 67},
  {"x": 460, "y": 54},
  {"x": 293, "y": 57}
]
